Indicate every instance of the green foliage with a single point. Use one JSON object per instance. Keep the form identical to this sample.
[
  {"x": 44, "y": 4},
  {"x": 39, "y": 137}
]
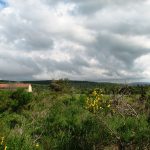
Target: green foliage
[
  {"x": 51, "y": 119},
  {"x": 4, "y": 100},
  {"x": 130, "y": 130},
  {"x": 14, "y": 100},
  {"x": 19, "y": 143},
  {"x": 70, "y": 126},
  {"x": 61, "y": 85},
  {"x": 19, "y": 99}
]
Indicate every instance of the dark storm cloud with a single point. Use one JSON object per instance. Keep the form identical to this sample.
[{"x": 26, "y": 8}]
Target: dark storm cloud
[
  {"x": 24, "y": 33},
  {"x": 115, "y": 53},
  {"x": 72, "y": 66},
  {"x": 16, "y": 68},
  {"x": 91, "y": 6},
  {"x": 121, "y": 49}
]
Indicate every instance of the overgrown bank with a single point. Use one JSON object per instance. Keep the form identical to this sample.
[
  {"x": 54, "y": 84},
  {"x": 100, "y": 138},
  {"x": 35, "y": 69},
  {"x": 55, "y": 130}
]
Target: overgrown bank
[{"x": 62, "y": 117}]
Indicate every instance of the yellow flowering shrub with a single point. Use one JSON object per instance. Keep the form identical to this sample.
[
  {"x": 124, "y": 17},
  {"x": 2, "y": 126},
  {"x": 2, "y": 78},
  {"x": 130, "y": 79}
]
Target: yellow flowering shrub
[
  {"x": 2, "y": 144},
  {"x": 37, "y": 145},
  {"x": 96, "y": 101}
]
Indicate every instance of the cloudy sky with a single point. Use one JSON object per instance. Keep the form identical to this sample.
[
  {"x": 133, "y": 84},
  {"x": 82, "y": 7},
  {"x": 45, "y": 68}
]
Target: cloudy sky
[{"x": 98, "y": 40}]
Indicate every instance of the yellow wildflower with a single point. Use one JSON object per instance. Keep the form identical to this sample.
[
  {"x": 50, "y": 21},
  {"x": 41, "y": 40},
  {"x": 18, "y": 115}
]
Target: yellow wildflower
[
  {"x": 5, "y": 147},
  {"x": 113, "y": 111},
  {"x": 108, "y": 105},
  {"x": 37, "y": 145},
  {"x": 92, "y": 105},
  {"x": 94, "y": 93},
  {"x": 2, "y": 140}
]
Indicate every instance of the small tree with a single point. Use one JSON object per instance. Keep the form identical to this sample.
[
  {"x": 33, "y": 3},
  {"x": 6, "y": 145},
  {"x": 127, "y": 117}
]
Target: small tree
[{"x": 61, "y": 85}]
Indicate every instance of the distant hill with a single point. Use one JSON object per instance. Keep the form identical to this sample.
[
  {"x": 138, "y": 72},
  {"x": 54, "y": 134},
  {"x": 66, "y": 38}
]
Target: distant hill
[
  {"x": 139, "y": 83},
  {"x": 81, "y": 84},
  {"x": 6, "y": 81}
]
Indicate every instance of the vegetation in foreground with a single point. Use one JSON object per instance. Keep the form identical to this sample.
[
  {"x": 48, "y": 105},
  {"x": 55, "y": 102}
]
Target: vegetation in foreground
[{"x": 66, "y": 117}]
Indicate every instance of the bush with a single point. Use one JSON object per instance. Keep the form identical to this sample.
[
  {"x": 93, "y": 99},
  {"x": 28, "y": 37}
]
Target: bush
[
  {"x": 19, "y": 99},
  {"x": 19, "y": 142},
  {"x": 61, "y": 85},
  {"x": 130, "y": 130},
  {"x": 4, "y": 100},
  {"x": 70, "y": 126}
]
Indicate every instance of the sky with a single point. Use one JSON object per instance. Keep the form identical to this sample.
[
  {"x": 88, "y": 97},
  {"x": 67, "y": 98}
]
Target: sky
[{"x": 95, "y": 40}]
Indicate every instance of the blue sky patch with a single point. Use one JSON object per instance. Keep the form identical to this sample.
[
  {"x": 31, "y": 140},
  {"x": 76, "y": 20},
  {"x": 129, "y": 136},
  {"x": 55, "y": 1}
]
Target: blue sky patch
[{"x": 3, "y": 3}]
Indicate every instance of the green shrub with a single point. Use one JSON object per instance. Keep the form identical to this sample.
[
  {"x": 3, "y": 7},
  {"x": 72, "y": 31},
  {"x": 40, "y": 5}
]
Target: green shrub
[
  {"x": 69, "y": 126},
  {"x": 19, "y": 99},
  {"x": 19, "y": 142},
  {"x": 4, "y": 100},
  {"x": 131, "y": 130}
]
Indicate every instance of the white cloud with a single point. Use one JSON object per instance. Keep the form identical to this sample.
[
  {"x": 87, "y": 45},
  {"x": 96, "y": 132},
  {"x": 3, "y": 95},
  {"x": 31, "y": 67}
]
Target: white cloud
[
  {"x": 143, "y": 63},
  {"x": 84, "y": 40}
]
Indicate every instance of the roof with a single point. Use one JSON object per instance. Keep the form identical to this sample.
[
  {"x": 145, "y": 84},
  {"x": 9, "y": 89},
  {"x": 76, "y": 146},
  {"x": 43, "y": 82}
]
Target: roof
[{"x": 17, "y": 85}]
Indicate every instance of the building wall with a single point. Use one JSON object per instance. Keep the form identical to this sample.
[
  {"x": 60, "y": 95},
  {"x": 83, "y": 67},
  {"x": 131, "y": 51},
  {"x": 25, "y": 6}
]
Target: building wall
[{"x": 29, "y": 88}]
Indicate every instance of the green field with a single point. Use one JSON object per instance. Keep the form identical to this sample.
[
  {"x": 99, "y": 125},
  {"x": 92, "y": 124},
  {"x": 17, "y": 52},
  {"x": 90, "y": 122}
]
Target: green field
[{"x": 76, "y": 115}]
